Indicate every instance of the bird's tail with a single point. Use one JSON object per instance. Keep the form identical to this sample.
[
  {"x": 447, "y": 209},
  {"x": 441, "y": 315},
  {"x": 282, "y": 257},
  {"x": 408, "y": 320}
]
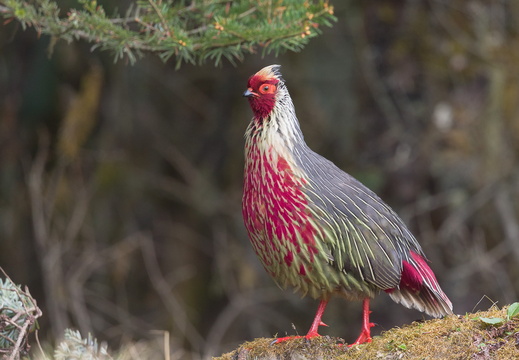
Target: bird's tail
[{"x": 420, "y": 290}]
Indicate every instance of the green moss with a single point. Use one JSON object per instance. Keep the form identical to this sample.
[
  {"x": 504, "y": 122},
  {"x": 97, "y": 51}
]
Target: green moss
[
  {"x": 453, "y": 337},
  {"x": 323, "y": 347}
]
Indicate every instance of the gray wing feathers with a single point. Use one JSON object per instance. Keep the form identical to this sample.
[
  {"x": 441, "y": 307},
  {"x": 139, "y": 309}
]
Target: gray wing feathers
[{"x": 365, "y": 237}]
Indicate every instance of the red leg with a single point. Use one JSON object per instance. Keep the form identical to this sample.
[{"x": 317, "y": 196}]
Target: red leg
[
  {"x": 315, "y": 325},
  {"x": 317, "y": 320},
  {"x": 365, "y": 334}
]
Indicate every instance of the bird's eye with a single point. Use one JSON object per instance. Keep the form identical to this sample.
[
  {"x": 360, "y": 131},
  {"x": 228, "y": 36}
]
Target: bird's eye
[{"x": 267, "y": 88}]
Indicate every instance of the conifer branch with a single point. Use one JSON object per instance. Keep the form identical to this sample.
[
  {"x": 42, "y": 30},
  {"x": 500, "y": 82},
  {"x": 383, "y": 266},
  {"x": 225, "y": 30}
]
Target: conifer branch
[{"x": 193, "y": 33}]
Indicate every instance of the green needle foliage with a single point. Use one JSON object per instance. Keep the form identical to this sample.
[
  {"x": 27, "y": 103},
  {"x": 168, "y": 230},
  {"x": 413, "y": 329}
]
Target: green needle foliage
[
  {"x": 189, "y": 31},
  {"x": 74, "y": 346}
]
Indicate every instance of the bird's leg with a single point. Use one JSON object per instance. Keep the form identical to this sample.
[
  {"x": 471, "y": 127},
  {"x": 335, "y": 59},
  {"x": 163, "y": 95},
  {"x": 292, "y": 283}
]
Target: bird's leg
[
  {"x": 313, "y": 329},
  {"x": 317, "y": 320},
  {"x": 365, "y": 334}
]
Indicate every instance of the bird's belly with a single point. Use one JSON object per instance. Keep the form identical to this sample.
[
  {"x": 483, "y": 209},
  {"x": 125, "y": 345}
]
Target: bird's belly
[{"x": 293, "y": 252}]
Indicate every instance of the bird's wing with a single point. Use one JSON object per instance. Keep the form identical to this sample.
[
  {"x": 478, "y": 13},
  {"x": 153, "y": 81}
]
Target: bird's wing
[{"x": 364, "y": 236}]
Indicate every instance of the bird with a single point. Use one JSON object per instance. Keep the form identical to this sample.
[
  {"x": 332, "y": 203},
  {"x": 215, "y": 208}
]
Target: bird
[{"x": 317, "y": 229}]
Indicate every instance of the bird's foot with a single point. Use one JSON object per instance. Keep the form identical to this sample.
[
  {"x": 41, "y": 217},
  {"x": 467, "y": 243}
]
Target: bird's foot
[
  {"x": 286, "y": 338},
  {"x": 365, "y": 335},
  {"x": 311, "y": 334}
]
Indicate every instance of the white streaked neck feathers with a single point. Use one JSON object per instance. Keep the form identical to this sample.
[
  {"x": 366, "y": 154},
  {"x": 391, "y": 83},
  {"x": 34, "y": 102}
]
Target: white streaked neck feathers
[{"x": 280, "y": 130}]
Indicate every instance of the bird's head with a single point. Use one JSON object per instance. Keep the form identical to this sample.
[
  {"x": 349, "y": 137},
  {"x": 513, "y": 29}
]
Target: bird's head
[{"x": 262, "y": 90}]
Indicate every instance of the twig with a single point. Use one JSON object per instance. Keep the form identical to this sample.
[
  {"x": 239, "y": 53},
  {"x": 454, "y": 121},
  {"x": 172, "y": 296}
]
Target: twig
[
  {"x": 247, "y": 12},
  {"x": 46, "y": 244},
  {"x": 373, "y": 81},
  {"x": 21, "y": 336},
  {"x": 456, "y": 32},
  {"x": 162, "y": 20},
  {"x": 38, "y": 342},
  {"x": 480, "y": 300},
  {"x": 163, "y": 289},
  {"x": 508, "y": 217},
  {"x": 167, "y": 350},
  {"x": 166, "y": 343},
  {"x": 30, "y": 313}
]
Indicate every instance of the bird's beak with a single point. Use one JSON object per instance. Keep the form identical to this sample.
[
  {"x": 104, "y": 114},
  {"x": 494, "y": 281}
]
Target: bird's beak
[{"x": 249, "y": 93}]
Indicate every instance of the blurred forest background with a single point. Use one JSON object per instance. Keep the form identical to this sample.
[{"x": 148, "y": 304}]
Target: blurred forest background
[{"x": 120, "y": 185}]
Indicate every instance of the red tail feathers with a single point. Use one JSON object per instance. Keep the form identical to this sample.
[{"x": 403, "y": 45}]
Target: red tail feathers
[{"x": 419, "y": 288}]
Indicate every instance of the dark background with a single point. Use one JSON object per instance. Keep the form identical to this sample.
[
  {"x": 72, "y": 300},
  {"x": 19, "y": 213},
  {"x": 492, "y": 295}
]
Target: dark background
[{"x": 120, "y": 185}]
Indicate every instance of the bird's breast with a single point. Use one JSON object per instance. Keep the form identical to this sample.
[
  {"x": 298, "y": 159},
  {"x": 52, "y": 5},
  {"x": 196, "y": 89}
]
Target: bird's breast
[{"x": 276, "y": 215}]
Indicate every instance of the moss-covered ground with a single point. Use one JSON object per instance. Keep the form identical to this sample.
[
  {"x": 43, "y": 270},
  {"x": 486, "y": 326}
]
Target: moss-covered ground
[{"x": 453, "y": 337}]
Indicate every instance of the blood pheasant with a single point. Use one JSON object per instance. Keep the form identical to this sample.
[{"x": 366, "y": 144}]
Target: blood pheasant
[{"x": 317, "y": 229}]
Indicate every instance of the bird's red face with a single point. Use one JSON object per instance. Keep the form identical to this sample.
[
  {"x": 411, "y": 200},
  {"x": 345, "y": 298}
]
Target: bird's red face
[{"x": 261, "y": 92}]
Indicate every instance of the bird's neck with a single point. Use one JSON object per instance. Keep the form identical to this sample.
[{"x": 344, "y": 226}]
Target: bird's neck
[
  {"x": 264, "y": 143},
  {"x": 277, "y": 133}
]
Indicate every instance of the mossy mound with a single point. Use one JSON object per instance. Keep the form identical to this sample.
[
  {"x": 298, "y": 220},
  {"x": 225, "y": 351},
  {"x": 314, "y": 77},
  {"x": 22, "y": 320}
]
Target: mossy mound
[
  {"x": 454, "y": 337},
  {"x": 323, "y": 347}
]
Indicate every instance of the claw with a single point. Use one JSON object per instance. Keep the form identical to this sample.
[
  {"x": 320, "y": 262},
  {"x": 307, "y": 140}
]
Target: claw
[{"x": 283, "y": 339}]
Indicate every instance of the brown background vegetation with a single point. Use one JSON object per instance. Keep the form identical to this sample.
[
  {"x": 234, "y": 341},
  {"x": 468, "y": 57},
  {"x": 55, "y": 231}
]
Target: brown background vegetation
[{"x": 120, "y": 186}]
